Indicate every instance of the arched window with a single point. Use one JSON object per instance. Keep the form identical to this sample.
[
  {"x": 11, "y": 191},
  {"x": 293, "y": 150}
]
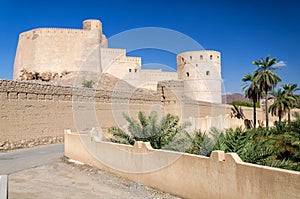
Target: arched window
[
  {"x": 130, "y": 70},
  {"x": 201, "y": 57},
  {"x": 182, "y": 59},
  {"x": 210, "y": 57},
  {"x": 191, "y": 57}
]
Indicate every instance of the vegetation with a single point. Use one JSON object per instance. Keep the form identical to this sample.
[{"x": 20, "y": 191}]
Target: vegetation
[
  {"x": 148, "y": 129},
  {"x": 266, "y": 79},
  {"x": 246, "y": 104},
  {"x": 290, "y": 90},
  {"x": 253, "y": 92},
  {"x": 88, "y": 83},
  {"x": 36, "y": 75},
  {"x": 278, "y": 146},
  {"x": 282, "y": 103}
]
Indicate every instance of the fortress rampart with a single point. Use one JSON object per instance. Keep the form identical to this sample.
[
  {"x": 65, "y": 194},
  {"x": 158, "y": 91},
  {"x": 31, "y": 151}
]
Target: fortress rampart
[
  {"x": 34, "y": 109},
  {"x": 57, "y": 49}
]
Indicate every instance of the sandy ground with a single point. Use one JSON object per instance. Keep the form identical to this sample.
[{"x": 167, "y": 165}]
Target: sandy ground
[{"x": 69, "y": 180}]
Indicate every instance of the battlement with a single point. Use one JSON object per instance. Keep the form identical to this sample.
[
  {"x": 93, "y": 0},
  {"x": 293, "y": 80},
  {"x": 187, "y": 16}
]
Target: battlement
[
  {"x": 136, "y": 60},
  {"x": 53, "y": 31}
]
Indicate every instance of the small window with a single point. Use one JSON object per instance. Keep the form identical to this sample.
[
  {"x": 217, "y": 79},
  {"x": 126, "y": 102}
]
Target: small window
[
  {"x": 182, "y": 59},
  {"x": 135, "y": 70},
  {"x": 210, "y": 57},
  {"x": 196, "y": 65},
  {"x": 201, "y": 57},
  {"x": 187, "y": 74},
  {"x": 207, "y": 72},
  {"x": 191, "y": 57},
  {"x": 130, "y": 70},
  {"x": 218, "y": 56}
]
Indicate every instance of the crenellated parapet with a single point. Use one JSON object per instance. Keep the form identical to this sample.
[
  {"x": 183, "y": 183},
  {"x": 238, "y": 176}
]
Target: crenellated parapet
[{"x": 28, "y": 90}]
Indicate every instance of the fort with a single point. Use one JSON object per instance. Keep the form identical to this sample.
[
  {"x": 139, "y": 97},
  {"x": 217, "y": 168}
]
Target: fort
[
  {"x": 40, "y": 108},
  {"x": 37, "y": 109},
  {"x": 58, "y": 51}
]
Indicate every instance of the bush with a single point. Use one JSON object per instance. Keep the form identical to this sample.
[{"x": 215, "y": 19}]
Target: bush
[
  {"x": 88, "y": 83},
  {"x": 247, "y": 104}
]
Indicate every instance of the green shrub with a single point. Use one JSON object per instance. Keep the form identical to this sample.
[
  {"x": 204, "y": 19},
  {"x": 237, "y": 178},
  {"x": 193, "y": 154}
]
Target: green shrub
[
  {"x": 247, "y": 104},
  {"x": 88, "y": 83}
]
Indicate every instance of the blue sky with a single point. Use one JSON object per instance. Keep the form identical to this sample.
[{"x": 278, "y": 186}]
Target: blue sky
[{"x": 242, "y": 31}]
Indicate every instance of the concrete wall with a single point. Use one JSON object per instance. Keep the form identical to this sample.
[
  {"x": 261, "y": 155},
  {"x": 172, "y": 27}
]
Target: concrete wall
[{"x": 189, "y": 176}]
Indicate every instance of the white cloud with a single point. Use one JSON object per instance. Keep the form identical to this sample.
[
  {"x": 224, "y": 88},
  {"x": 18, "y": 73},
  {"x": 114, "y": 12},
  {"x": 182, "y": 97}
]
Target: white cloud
[{"x": 280, "y": 63}]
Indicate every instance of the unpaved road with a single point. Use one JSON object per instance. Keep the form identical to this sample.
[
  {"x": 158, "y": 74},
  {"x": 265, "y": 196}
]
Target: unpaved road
[{"x": 42, "y": 173}]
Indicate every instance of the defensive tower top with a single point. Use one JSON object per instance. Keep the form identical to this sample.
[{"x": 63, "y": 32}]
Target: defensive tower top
[{"x": 92, "y": 24}]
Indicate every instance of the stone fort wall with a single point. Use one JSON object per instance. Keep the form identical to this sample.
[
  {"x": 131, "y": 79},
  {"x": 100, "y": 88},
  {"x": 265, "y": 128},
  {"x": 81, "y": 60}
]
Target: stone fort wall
[
  {"x": 30, "y": 109},
  {"x": 57, "y": 49},
  {"x": 34, "y": 109}
]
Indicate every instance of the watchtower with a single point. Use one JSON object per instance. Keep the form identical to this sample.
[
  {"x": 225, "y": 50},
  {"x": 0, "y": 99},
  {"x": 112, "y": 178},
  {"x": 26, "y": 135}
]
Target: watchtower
[{"x": 201, "y": 74}]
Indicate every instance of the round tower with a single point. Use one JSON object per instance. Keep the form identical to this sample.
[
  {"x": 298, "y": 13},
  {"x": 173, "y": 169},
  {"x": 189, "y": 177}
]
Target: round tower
[{"x": 201, "y": 74}]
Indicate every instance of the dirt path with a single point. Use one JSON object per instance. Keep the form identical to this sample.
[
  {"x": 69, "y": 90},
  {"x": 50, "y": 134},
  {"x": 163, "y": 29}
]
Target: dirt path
[{"x": 65, "y": 180}]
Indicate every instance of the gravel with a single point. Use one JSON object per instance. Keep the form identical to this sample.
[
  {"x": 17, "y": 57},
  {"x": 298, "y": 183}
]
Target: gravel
[{"x": 71, "y": 180}]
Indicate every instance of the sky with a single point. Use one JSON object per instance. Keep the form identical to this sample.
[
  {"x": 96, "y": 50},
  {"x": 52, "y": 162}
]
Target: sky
[{"x": 243, "y": 31}]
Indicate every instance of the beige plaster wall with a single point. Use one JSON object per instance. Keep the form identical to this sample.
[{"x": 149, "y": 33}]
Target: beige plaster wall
[{"x": 189, "y": 176}]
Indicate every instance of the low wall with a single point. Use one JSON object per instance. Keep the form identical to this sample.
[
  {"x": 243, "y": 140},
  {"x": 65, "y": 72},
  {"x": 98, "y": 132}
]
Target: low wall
[{"x": 185, "y": 175}]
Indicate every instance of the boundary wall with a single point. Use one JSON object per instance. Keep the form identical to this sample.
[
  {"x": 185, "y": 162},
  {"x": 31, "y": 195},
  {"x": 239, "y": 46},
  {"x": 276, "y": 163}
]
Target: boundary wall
[
  {"x": 220, "y": 176},
  {"x": 38, "y": 109}
]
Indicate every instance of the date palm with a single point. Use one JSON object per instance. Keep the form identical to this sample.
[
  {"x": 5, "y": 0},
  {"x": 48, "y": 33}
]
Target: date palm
[
  {"x": 282, "y": 103},
  {"x": 147, "y": 129},
  {"x": 252, "y": 91},
  {"x": 266, "y": 79},
  {"x": 290, "y": 90}
]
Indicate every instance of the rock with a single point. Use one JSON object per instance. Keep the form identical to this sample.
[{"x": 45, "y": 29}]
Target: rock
[{"x": 46, "y": 76}]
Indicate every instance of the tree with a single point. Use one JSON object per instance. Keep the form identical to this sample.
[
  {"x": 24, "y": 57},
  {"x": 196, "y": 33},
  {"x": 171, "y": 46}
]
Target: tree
[
  {"x": 252, "y": 91},
  {"x": 266, "y": 79},
  {"x": 282, "y": 103},
  {"x": 148, "y": 129},
  {"x": 290, "y": 90}
]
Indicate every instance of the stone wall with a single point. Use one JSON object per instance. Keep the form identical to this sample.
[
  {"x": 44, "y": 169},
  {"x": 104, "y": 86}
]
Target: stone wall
[
  {"x": 220, "y": 176},
  {"x": 36, "y": 109}
]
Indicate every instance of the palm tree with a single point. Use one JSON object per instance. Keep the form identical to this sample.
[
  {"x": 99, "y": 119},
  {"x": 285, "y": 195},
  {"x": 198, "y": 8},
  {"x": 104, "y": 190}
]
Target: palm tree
[
  {"x": 282, "y": 103},
  {"x": 251, "y": 90},
  {"x": 266, "y": 79},
  {"x": 148, "y": 129},
  {"x": 290, "y": 90}
]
